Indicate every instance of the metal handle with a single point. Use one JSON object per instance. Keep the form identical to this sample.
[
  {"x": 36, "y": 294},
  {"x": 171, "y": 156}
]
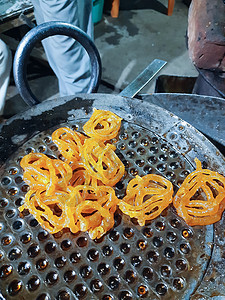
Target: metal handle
[
  {"x": 143, "y": 78},
  {"x": 41, "y": 32}
]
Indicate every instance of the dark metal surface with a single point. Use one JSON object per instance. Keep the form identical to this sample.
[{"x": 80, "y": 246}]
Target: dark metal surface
[
  {"x": 205, "y": 113},
  {"x": 185, "y": 140},
  {"x": 41, "y": 32}
]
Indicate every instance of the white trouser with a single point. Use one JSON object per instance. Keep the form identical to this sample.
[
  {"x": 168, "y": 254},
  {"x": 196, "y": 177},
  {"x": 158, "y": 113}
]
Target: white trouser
[
  {"x": 5, "y": 68},
  {"x": 67, "y": 57}
]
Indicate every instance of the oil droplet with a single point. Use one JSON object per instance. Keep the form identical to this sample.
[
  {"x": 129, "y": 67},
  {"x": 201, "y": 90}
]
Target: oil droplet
[
  {"x": 14, "y": 254},
  {"x": 166, "y": 271},
  {"x": 144, "y": 142},
  {"x": 114, "y": 235},
  {"x": 17, "y": 225},
  {"x": 113, "y": 282},
  {"x": 96, "y": 286},
  {"x": 69, "y": 275},
  {"x": 133, "y": 172},
  {"x": 175, "y": 223},
  {"x": 75, "y": 257},
  {"x": 103, "y": 269},
  {"x": 122, "y": 146},
  {"x": 5, "y": 181},
  {"x": 125, "y": 248},
  {"x": 47, "y": 139},
  {"x": 33, "y": 251},
  {"x": 124, "y": 136},
  {"x": 86, "y": 271},
  {"x": 169, "y": 252},
  {"x": 187, "y": 233},
  {"x": 61, "y": 261},
  {"x": 43, "y": 297},
  {"x": 3, "y": 203},
  {"x": 185, "y": 248},
  {"x": 118, "y": 263},
  {"x": 50, "y": 247},
  {"x": 148, "y": 232},
  {"x": 6, "y": 240},
  {"x": 142, "y": 291},
  {"x": 25, "y": 238},
  {"x": 33, "y": 223},
  {"x": 5, "y": 271},
  {"x": 136, "y": 261},
  {"x": 13, "y": 171},
  {"x": 148, "y": 273},
  {"x": 23, "y": 268},
  {"x": 52, "y": 278},
  {"x": 14, "y": 287},
  {"x": 10, "y": 213},
  {"x": 128, "y": 233},
  {"x": 135, "y": 134},
  {"x": 42, "y": 235},
  {"x": 178, "y": 283},
  {"x": 33, "y": 283},
  {"x": 82, "y": 242},
  {"x": 41, "y": 264},
  {"x": 13, "y": 191},
  {"x": 161, "y": 289},
  {"x": 130, "y": 276},
  {"x": 107, "y": 297},
  {"x": 66, "y": 244},
  {"x": 80, "y": 291},
  {"x": 153, "y": 256},
  {"x": 181, "y": 265},
  {"x": 63, "y": 295},
  {"x": 160, "y": 226},
  {"x": 157, "y": 241},
  {"x": 171, "y": 236},
  {"x": 141, "y": 244},
  {"x": 93, "y": 255},
  {"x": 107, "y": 250},
  {"x": 152, "y": 160},
  {"x": 41, "y": 149}
]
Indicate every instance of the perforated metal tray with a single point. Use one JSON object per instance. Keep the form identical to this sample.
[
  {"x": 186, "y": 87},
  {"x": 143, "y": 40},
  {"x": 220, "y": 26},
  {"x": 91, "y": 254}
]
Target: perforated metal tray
[{"x": 166, "y": 259}]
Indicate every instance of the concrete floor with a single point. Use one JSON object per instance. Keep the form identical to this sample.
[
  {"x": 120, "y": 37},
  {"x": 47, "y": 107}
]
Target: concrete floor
[{"x": 127, "y": 45}]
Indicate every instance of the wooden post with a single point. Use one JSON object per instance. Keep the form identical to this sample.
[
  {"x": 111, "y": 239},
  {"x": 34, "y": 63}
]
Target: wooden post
[
  {"x": 115, "y": 8},
  {"x": 170, "y": 7}
]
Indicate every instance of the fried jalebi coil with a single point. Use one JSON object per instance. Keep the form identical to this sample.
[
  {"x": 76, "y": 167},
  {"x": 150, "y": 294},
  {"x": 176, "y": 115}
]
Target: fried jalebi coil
[
  {"x": 102, "y": 125},
  {"x": 91, "y": 209},
  {"x": 69, "y": 143},
  {"x": 146, "y": 197},
  {"x": 102, "y": 162},
  {"x": 200, "y": 199},
  {"x": 43, "y": 173},
  {"x": 48, "y": 211}
]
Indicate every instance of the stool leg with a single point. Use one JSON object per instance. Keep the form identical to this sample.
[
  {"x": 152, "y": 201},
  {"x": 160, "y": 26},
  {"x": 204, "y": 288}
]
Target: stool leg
[
  {"x": 115, "y": 8},
  {"x": 170, "y": 7}
]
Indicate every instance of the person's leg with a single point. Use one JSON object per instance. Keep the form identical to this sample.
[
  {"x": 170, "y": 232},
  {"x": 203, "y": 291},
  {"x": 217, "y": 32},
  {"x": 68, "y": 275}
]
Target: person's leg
[
  {"x": 5, "y": 68},
  {"x": 67, "y": 57}
]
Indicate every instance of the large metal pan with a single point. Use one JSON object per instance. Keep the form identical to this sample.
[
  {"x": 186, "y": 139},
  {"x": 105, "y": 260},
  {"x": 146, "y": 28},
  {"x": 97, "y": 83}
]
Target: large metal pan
[{"x": 166, "y": 259}]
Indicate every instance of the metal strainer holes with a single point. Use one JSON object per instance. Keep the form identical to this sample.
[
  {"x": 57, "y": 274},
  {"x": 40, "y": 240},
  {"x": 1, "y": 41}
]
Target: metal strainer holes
[
  {"x": 103, "y": 269},
  {"x": 60, "y": 262}
]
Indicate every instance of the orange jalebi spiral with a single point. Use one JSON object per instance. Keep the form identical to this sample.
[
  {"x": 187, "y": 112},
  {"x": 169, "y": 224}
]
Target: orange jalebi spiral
[
  {"x": 64, "y": 193},
  {"x": 200, "y": 199},
  {"x": 102, "y": 162},
  {"x": 102, "y": 125},
  {"x": 146, "y": 197},
  {"x": 69, "y": 143}
]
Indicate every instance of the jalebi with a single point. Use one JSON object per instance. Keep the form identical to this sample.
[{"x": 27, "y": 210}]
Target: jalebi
[
  {"x": 200, "y": 199},
  {"x": 103, "y": 125},
  {"x": 73, "y": 192},
  {"x": 146, "y": 197}
]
